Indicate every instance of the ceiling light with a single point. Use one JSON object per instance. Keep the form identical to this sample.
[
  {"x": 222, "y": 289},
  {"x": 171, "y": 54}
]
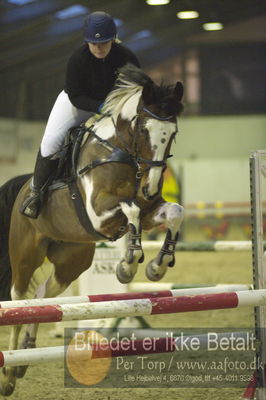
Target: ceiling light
[
  {"x": 20, "y": 2},
  {"x": 118, "y": 22},
  {"x": 72, "y": 11},
  {"x": 157, "y": 2},
  {"x": 141, "y": 35},
  {"x": 213, "y": 26},
  {"x": 187, "y": 14}
]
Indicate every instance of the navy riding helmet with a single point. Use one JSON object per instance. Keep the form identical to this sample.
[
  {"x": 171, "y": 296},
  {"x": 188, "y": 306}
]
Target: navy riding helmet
[{"x": 99, "y": 27}]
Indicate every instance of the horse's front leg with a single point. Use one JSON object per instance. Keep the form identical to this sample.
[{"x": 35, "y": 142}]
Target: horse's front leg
[
  {"x": 134, "y": 255},
  {"x": 171, "y": 214}
]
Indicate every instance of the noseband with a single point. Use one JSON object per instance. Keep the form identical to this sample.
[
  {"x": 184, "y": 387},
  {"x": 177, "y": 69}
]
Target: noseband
[{"x": 146, "y": 110}]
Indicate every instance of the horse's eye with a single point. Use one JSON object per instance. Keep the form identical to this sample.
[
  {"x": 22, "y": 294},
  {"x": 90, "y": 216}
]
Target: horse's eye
[{"x": 144, "y": 131}]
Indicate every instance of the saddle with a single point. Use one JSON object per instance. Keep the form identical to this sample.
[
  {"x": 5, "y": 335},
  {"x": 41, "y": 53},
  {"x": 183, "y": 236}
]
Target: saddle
[{"x": 68, "y": 157}]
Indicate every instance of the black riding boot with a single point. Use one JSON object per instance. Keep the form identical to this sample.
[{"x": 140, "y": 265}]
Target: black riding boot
[{"x": 45, "y": 169}]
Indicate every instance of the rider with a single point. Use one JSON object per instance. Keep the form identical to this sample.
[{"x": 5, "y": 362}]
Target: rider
[{"x": 90, "y": 76}]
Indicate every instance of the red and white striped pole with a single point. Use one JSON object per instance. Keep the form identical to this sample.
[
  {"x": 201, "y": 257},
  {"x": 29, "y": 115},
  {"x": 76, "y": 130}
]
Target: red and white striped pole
[
  {"x": 123, "y": 296},
  {"x": 92, "y": 351},
  {"x": 101, "y": 349},
  {"x": 131, "y": 307}
]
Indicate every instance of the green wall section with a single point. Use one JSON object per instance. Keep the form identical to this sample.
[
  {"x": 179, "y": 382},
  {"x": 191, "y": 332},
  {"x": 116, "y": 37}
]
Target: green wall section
[{"x": 220, "y": 137}]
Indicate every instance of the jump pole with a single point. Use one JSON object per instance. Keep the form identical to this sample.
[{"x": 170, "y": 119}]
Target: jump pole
[
  {"x": 132, "y": 307},
  {"x": 123, "y": 296},
  {"x": 12, "y": 358},
  {"x": 217, "y": 246},
  {"x": 190, "y": 288}
]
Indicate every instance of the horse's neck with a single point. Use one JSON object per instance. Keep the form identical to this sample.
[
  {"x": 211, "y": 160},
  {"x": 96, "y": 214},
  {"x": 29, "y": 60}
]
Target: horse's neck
[
  {"x": 129, "y": 109},
  {"x": 125, "y": 122},
  {"x": 114, "y": 129}
]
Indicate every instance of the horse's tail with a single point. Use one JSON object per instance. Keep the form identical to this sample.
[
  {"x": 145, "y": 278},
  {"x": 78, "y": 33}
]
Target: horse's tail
[{"x": 8, "y": 194}]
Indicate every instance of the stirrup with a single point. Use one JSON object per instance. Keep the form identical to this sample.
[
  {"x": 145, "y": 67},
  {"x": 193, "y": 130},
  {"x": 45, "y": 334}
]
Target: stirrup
[{"x": 31, "y": 206}]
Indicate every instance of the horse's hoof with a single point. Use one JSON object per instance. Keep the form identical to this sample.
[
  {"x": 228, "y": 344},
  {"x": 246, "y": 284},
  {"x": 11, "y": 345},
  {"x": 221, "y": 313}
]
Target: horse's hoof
[
  {"x": 124, "y": 272},
  {"x": 7, "y": 383},
  {"x": 21, "y": 371},
  {"x": 7, "y": 389},
  {"x": 154, "y": 272}
]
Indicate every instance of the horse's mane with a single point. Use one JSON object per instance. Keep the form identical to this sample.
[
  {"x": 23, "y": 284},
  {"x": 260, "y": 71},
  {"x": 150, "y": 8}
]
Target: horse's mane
[{"x": 130, "y": 81}]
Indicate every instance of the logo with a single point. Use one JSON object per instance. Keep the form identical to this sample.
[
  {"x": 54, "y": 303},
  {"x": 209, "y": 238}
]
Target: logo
[{"x": 88, "y": 358}]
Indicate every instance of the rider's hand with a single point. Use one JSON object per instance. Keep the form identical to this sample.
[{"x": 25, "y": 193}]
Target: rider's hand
[{"x": 100, "y": 108}]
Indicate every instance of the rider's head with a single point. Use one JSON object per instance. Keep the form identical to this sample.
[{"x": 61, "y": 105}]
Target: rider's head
[
  {"x": 99, "y": 27},
  {"x": 99, "y": 32}
]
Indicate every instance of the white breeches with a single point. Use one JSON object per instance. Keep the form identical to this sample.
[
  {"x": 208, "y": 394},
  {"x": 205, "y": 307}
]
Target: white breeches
[{"x": 62, "y": 117}]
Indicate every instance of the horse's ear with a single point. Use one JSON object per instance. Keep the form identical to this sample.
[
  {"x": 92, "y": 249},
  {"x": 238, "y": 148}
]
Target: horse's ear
[
  {"x": 148, "y": 92},
  {"x": 179, "y": 91}
]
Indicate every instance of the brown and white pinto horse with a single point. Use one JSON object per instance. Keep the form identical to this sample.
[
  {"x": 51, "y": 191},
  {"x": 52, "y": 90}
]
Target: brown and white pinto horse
[{"x": 119, "y": 176}]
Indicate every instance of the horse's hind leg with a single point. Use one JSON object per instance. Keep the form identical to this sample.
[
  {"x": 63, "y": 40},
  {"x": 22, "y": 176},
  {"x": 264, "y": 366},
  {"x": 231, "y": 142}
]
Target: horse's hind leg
[
  {"x": 24, "y": 262},
  {"x": 127, "y": 267},
  {"x": 29, "y": 339},
  {"x": 28, "y": 342},
  {"x": 9, "y": 374},
  {"x": 69, "y": 261},
  {"x": 171, "y": 214}
]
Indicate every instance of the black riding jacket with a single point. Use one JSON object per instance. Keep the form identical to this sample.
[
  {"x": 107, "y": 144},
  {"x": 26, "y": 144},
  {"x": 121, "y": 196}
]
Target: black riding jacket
[{"x": 89, "y": 79}]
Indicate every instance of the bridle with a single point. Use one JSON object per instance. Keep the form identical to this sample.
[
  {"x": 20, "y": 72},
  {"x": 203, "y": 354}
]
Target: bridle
[
  {"x": 128, "y": 155},
  {"x": 140, "y": 160},
  {"x": 146, "y": 110}
]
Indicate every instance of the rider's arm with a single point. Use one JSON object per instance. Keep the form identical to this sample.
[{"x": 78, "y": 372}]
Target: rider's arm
[{"x": 77, "y": 86}]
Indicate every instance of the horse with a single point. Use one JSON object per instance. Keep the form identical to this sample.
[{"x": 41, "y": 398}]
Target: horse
[{"x": 116, "y": 191}]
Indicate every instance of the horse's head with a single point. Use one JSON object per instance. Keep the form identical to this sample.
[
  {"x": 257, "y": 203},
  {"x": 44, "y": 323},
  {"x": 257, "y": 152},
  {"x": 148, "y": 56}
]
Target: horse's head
[
  {"x": 148, "y": 113},
  {"x": 158, "y": 109}
]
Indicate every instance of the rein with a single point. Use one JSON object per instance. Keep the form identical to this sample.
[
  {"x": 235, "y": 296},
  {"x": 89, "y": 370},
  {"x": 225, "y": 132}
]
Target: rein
[
  {"x": 123, "y": 156},
  {"x": 117, "y": 155}
]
